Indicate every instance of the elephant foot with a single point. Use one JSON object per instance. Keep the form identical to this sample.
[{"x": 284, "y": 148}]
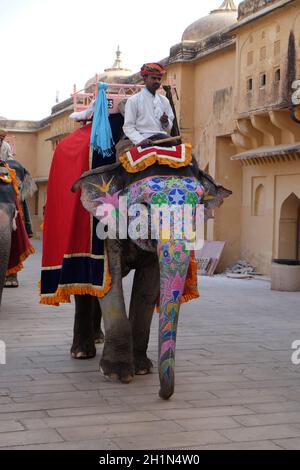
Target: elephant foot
[
  {"x": 84, "y": 350},
  {"x": 11, "y": 281},
  {"x": 117, "y": 371},
  {"x": 99, "y": 337},
  {"x": 143, "y": 365}
]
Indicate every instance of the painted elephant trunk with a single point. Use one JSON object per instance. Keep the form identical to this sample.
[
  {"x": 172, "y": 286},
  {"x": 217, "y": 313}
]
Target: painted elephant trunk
[{"x": 174, "y": 262}]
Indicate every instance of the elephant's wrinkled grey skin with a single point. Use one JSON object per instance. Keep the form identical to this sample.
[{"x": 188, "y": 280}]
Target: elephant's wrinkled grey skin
[
  {"x": 7, "y": 212},
  {"x": 126, "y": 341},
  {"x": 87, "y": 327},
  {"x": 125, "y": 345}
]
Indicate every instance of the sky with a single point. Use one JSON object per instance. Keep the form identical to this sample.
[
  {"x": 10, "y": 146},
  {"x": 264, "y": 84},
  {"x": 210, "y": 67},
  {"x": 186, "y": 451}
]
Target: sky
[{"x": 47, "y": 46}]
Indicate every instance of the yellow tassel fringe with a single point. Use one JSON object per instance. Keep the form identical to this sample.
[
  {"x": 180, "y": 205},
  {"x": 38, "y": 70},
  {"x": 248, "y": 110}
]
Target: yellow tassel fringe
[
  {"x": 62, "y": 295},
  {"x": 191, "y": 291},
  {"x": 22, "y": 258}
]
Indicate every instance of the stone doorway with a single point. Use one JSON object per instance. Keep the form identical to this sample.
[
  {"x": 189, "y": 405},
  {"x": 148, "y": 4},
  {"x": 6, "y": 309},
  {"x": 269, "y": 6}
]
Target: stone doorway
[{"x": 289, "y": 229}]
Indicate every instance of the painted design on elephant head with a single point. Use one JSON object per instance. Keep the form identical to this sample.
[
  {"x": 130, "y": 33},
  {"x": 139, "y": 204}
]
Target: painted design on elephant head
[
  {"x": 159, "y": 199},
  {"x": 174, "y": 182},
  {"x": 107, "y": 198},
  {"x": 104, "y": 186},
  {"x": 167, "y": 204},
  {"x": 157, "y": 184},
  {"x": 110, "y": 206},
  {"x": 169, "y": 190},
  {"x": 149, "y": 209},
  {"x": 177, "y": 196}
]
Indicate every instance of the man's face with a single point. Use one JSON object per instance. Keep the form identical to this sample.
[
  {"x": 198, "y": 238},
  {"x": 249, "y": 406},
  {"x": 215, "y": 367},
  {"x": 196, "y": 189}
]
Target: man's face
[{"x": 152, "y": 82}]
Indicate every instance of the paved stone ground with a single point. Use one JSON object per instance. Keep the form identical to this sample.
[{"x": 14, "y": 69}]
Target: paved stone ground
[{"x": 236, "y": 387}]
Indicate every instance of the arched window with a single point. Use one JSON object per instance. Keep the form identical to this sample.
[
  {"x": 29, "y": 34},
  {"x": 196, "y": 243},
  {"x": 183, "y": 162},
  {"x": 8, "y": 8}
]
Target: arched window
[
  {"x": 289, "y": 228},
  {"x": 259, "y": 200}
]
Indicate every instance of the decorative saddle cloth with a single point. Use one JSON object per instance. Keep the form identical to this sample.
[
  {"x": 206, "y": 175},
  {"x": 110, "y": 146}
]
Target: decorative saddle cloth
[
  {"x": 138, "y": 158},
  {"x": 10, "y": 176}
]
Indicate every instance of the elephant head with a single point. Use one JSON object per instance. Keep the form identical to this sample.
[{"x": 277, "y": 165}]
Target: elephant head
[{"x": 156, "y": 188}]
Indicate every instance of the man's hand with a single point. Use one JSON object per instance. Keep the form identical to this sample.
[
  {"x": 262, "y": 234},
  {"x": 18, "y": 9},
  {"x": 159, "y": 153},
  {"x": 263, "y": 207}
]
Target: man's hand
[
  {"x": 145, "y": 143},
  {"x": 164, "y": 120}
]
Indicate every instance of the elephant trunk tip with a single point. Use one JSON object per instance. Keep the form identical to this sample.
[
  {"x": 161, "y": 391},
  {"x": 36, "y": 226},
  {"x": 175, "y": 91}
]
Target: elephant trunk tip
[{"x": 166, "y": 392}]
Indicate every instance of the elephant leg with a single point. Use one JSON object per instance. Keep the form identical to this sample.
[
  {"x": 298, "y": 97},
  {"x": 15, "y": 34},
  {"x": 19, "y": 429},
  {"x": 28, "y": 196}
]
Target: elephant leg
[
  {"x": 5, "y": 243},
  {"x": 174, "y": 262},
  {"x": 97, "y": 314},
  {"x": 83, "y": 346},
  {"x": 142, "y": 304},
  {"x": 117, "y": 356}
]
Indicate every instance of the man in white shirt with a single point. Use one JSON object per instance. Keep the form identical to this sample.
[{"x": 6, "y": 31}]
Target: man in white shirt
[
  {"x": 148, "y": 113},
  {"x": 5, "y": 149}
]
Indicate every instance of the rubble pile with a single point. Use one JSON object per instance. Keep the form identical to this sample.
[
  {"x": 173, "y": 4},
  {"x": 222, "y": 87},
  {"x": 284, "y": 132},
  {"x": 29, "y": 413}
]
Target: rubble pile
[{"x": 242, "y": 268}]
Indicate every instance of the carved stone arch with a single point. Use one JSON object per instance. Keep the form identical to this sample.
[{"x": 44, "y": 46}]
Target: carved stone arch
[{"x": 244, "y": 48}]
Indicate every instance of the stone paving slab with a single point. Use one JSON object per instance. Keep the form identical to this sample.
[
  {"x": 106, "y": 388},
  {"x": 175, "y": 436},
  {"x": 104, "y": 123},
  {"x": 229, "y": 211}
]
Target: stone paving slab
[
  {"x": 23, "y": 438},
  {"x": 175, "y": 440},
  {"x": 260, "y": 433},
  {"x": 288, "y": 444},
  {"x": 236, "y": 387},
  {"x": 89, "y": 420},
  {"x": 262, "y": 445},
  {"x": 269, "y": 418}
]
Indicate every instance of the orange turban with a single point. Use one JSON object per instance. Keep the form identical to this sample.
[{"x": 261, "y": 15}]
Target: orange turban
[{"x": 152, "y": 69}]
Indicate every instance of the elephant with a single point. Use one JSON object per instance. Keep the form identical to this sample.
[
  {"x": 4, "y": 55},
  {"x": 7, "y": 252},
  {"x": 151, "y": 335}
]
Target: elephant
[
  {"x": 160, "y": 271},
  {"x": 9, "y": 218}
]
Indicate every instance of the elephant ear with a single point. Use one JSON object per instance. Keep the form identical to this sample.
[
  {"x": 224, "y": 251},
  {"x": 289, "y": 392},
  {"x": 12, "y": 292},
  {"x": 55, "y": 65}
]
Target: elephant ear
[
  {"x": 28, "y": 187},
  {"x": 98, "y": 186},
  {"x": 214, "y": 194}
]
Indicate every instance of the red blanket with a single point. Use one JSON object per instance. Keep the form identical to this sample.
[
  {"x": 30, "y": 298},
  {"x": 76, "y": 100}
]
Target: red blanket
[
  {"x": 21, "y": 247},
  {"x": 73, "y": 257}
]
